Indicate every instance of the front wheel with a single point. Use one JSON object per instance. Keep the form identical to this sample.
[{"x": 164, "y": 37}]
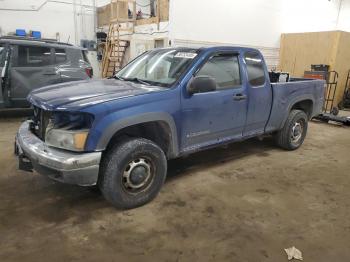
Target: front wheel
[
  {"x": 293, "y": 133},
  {"x": 132, "y": 173}
]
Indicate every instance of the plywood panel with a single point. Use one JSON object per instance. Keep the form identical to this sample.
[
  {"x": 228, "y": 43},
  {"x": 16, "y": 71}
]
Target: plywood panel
[
  {"x": 120, "y": 10},
  {"x": 299, "y": 51},
  {"x": 164, "y": 10},
  {"x": 103, "y": 15},
  {"x": 342, "y": 62}
]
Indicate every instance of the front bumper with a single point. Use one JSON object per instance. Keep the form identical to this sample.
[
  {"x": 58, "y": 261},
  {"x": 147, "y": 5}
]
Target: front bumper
[{"x": 61, "y": 165}]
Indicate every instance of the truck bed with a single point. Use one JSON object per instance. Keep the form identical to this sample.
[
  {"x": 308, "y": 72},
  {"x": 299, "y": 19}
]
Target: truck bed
[{"x": 289, "y": 93}]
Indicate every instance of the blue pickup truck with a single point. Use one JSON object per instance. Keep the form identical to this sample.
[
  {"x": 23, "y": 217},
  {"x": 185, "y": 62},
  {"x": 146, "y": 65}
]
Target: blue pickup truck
[{"x": 119, "y": 133}]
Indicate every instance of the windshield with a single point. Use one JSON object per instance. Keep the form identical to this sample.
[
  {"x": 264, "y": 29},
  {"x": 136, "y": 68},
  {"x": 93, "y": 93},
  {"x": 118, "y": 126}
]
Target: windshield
[
  {"x": 159, "y": 67},
  {"x": 2, "y": 55}
]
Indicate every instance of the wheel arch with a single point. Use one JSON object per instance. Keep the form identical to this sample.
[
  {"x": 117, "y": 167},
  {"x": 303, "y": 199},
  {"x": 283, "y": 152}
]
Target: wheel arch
[
  {"x": 305, "y": 105},
  {"x": 158, "y": 127},
  {"x": 301, "y": 103}
]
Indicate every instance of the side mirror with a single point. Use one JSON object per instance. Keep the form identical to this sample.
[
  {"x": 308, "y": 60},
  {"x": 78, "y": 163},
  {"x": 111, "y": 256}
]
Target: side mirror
[{"x": 201, "y": 84}]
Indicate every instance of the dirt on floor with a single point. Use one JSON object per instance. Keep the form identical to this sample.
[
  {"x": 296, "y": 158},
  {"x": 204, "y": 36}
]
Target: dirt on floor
[{"x": 246, "y": 202}]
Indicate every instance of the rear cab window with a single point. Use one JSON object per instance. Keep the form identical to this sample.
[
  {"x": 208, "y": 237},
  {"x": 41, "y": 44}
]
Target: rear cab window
[
  {"x": 224, "y": 68},
  {"x": 33, "y": 56},
  {"x": 255, "y": 68}
]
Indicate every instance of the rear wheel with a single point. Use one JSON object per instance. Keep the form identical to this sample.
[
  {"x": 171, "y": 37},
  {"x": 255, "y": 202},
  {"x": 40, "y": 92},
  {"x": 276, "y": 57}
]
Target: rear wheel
[
  {"x": 132, "y": 173},
  {"x": 293, "y": 133}
]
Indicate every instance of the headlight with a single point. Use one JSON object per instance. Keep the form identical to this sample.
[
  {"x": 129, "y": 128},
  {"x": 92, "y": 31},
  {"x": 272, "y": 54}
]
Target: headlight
[
  {"x": 68, "y": 130},
  {"x": 70, "y": 140}
]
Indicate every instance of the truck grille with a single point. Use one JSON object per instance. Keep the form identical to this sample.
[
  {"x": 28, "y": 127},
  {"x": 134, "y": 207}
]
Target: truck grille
[{"x": 40, "y": 120}]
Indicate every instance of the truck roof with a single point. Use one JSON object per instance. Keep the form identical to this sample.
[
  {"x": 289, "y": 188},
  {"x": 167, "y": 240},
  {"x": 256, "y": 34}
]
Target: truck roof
[
  {"x": 228, "y": 47},
  {"x": 34, "y": 41},
  {"x": 214, "y": 48}
]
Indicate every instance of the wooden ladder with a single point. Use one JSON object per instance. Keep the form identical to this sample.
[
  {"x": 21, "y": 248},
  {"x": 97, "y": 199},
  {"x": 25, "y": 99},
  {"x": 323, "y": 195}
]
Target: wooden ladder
[{"x": 116, "y": 45}]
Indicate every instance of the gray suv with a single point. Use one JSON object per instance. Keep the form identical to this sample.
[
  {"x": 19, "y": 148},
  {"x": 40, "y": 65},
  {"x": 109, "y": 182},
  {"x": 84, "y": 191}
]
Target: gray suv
[{"x": 27, "y": 64}]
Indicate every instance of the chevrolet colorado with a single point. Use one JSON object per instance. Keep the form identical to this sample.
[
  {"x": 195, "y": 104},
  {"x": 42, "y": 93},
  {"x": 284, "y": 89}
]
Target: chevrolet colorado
[{"x": 119, "y": 133}]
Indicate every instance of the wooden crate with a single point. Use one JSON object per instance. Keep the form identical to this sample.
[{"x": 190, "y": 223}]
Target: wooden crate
[
  {"x": 163, "y": 10},
  {"x": 299, "y": 50},
  {"x": 120, "y": 10}
]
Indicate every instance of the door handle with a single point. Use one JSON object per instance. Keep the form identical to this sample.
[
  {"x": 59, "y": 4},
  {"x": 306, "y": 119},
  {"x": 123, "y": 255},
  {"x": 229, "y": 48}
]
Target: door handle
[{"x": 239, "y": 97}]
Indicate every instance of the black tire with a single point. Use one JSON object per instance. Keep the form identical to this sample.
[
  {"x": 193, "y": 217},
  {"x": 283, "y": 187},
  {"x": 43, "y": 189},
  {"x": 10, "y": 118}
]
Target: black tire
[
  {"x": 287, "y": 137},
  {"x": 117, "y": 167}
]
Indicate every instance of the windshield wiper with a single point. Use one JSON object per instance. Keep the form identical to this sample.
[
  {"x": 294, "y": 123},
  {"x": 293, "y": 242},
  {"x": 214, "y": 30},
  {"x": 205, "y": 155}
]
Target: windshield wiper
[
  {"x": 118, "y": 77},
  {"x": 135, "y": 79}
]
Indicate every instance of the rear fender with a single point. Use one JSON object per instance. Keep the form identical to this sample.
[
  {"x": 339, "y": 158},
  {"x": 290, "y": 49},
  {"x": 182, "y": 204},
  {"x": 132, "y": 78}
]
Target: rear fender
[{"x": 280, "y": 111}]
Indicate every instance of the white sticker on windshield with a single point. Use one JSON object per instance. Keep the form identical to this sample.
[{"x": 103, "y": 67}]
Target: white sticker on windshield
[{"x": 186, "y": 55}]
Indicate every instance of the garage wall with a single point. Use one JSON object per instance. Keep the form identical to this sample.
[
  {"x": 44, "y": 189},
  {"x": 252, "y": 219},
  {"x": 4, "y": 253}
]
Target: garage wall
[
  {"x": 49, "y": 17},
  {"x": 253, "y": 23}
]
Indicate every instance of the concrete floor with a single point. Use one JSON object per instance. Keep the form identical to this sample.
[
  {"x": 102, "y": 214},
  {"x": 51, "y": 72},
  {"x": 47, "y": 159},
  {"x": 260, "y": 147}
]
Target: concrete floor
[{"x": 244, "y": 203}]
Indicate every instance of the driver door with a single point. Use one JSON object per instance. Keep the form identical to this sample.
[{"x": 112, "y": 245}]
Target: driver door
[{"x": 216, "y": 116}]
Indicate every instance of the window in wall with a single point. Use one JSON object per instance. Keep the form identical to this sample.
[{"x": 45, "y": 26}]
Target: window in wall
[
  {"x": 255, "y": 68},
  {"x": 224, "y": 68},
  {"x": 60, "y": 56},
  {"x": 35, "y": 56}
]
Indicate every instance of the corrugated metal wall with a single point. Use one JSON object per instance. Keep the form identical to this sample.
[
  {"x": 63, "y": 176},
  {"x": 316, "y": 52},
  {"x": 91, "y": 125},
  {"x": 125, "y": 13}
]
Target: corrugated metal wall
[{"x": 271, "y": 54}]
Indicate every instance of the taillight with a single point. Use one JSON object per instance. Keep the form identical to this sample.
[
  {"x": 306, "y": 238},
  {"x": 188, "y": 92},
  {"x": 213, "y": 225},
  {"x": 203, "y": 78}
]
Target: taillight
[{"x": 89, "y": 71}]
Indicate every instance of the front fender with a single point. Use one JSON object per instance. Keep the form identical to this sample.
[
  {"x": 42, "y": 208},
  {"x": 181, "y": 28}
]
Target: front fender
[{"x": 101, "y": 143}]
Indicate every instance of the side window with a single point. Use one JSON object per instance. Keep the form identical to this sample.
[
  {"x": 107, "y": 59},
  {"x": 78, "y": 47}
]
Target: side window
[
  {"x": 224, "y": 68},
  {"x": 255, "y": 68},
  {"x": 2, "y": 55},
  {"x": 33, "y": 56},
  {"x": 60, "y": 56}
]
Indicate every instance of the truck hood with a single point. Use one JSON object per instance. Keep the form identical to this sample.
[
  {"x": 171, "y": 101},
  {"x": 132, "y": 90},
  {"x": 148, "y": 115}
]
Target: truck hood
[{"x": 81, "y": 94}]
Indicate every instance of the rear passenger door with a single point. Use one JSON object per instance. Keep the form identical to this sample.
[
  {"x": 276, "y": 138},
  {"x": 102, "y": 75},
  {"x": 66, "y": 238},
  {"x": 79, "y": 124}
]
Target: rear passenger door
[
  {"x": 33, "y": 67},
  {"x": 259, "y": 94}
]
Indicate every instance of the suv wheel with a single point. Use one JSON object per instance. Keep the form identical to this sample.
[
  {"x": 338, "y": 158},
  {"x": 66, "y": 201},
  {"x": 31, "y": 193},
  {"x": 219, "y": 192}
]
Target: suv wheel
[
  {"x": 132, "y": 173},
  {"x": 294, "y": 130}
]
